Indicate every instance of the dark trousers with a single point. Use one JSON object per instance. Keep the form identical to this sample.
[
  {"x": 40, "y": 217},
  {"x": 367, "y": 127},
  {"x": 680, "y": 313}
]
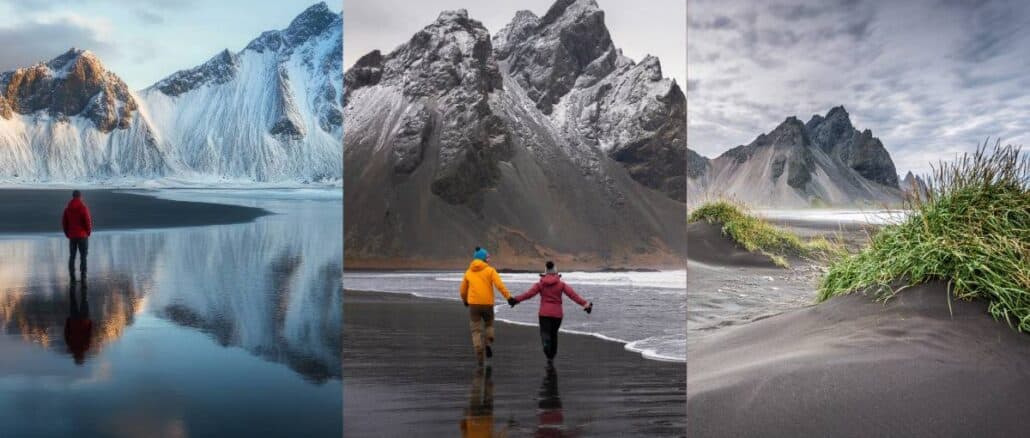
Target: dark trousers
[
  {"x": 82, "y": 246},
  {"x": 549, "y": 335}
]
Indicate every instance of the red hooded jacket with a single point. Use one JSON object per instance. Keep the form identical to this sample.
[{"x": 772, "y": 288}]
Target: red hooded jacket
[
  {"x": 550, "y": 287},
  {"x": 77, "y": 222}
]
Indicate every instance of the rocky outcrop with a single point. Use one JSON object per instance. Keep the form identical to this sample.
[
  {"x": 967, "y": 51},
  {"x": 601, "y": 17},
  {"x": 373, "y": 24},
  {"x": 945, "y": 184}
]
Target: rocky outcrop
[
  {"x": 537, "y": 140},
  {"x": 569, "y": 46},
  {"x": 73, "y": 84},
  {"x": 567, "y": 64},
  {"x": 825, "y": 161},
  {"x": 217, "y": 70},
  {"x": 860, "y": 151},
  {"x": 367, "y": 71},
  {"x": 446, "y": 72},
  {"x": 914, "y": 186}
]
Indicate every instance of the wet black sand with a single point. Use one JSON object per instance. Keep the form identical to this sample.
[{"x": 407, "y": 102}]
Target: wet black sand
[
  {"x": 39, "y": 211},
  {"x": 409, "y": 370},
  {"x": 855, "y": 367}
]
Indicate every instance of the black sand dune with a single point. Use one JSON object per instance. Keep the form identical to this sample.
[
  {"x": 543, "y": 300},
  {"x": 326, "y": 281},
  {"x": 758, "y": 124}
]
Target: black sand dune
[
  {"x": 39, "y": 211},
  {"x": 855, "y": 367},
  {"x": 707, "y": 244},
  {"x": 409, "y": 371}
]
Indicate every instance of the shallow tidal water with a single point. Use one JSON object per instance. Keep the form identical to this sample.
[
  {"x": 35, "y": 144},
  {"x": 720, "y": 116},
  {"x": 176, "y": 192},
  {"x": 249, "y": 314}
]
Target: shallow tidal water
[
  {"x": 227, "y": 330},
  {"x": 644, "y": 310}
]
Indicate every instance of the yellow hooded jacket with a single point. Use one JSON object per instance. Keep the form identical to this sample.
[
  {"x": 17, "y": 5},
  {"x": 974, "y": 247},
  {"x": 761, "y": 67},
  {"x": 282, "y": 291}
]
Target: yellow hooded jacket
[{"x": 478, "y": 285}]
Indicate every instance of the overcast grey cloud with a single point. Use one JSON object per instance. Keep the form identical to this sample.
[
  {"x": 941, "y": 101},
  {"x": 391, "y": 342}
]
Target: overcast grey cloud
[
  {"x": 930, "y": 78},
  {"x": 639, "y": 28},
  {"x": 29, "y": 42}
]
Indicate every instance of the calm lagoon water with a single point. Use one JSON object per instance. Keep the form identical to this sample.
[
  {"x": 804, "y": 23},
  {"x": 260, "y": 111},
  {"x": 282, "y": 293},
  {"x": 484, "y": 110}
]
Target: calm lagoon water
[{"x": 229, "y": 330}]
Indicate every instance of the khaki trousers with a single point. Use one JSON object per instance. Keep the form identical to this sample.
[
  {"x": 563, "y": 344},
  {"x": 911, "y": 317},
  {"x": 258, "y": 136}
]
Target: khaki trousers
[{"x": 481, "y": 313}]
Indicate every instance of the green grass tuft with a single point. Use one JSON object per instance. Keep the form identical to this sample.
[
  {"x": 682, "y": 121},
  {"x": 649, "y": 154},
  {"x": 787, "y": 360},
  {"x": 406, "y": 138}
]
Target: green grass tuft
[
  {"x": 972, "y": 231},
  {"x": 757, "y": 235}
]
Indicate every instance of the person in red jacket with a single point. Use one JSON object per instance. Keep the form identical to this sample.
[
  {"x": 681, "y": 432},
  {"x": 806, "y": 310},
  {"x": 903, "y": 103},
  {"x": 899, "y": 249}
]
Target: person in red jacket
[
  {"x": 78, "y": 225},
  {"x": 551, "y": 288}
]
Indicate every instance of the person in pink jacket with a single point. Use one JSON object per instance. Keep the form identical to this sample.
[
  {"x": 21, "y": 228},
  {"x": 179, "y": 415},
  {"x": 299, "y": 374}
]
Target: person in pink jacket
[{"x": 551, "y": 288}]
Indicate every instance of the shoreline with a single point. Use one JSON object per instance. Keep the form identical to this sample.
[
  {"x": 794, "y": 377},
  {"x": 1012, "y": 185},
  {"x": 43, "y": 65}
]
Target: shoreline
[
  {"x": 408, "y": 366},
  {"x": 627, "y": 345},
  {"x": 37, "y": 211}
]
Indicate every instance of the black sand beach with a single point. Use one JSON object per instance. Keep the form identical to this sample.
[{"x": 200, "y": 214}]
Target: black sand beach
[
  {"x": 39, "y": 211},
  {"x": 727, "y": 285},
  {"x": 409, "y": 371},
  {"x": 855, "y": 367}
]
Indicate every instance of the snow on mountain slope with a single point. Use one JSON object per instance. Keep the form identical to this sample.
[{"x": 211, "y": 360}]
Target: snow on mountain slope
[
  {"x": 456, "y": 139},
  {"x": 71, "y": 119},
  {"x": 269, "y": 113}
]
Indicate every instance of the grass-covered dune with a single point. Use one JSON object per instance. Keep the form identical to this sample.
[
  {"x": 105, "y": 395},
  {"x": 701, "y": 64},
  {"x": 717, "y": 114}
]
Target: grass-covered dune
[
  {"x": 758, "y": 235},
  {"x": 972, "y": 231}
]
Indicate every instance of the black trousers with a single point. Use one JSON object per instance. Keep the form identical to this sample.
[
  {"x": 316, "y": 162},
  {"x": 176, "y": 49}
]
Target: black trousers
[
  {"x": 82, "y": 246},
  {"x": 549, "y": 335}
]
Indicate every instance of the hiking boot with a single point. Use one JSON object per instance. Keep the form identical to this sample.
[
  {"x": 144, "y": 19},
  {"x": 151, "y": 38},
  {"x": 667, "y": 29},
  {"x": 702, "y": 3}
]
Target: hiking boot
[{"x": 489, "y": 352}]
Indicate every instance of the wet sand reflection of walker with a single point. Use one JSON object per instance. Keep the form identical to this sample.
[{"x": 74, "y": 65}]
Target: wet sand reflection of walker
[{"x": 479, "y": 415}]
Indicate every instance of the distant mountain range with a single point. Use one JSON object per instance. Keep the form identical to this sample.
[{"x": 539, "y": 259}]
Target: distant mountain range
[
  {"x": 542, "y": 141},
  {"x": 823, "y": 162},
  {"x": 270, "y": 112}
]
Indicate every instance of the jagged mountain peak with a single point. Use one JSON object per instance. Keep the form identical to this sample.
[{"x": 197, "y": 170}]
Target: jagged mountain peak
[
  {"x": 75, "y": 83},
  {"x": 514, "y": 33},
  {"x": 456, "y": 15},
  {"x": 313, "y": 21},
  {"x": 825, "y": 161},
  {"x": 452, "y": 53},
  {"x": 569, "y": 47},
  {"x": 452, "y": 125},
  {"x": 568, "y": 10},
  {"x": 218, "y": 69}
]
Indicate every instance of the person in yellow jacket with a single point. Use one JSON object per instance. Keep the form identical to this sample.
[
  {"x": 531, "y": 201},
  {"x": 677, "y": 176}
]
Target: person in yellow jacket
[{"x": 477, "y": 293}]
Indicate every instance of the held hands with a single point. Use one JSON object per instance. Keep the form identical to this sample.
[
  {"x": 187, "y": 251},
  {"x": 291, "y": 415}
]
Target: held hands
[
  {"x": 589, "y": 307},
  {"x": 512, "y": 302}
]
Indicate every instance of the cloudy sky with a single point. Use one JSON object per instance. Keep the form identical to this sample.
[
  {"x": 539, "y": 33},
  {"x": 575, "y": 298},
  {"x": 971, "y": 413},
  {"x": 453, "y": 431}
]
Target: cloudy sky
[
  {"x": 638, "y": 27},
  {"x": 930, "y": 78},
  {"x": 142, "y": 41}
]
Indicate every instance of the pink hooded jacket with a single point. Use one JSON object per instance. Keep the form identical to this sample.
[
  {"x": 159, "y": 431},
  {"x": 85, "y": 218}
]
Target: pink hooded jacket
[{"x": 550, "y": 287}]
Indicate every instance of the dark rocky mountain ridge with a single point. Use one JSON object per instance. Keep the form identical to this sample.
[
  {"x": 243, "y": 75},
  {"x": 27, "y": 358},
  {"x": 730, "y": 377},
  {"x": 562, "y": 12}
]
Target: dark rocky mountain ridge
[{"x": 540, "y": 141}]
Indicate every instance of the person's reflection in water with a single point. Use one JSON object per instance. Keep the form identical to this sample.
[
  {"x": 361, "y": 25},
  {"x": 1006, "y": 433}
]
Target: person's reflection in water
[
  {"x": 550, "y": 421},
  {"x": 78, "y": 328},
  {"x": 479, "y": 415}
]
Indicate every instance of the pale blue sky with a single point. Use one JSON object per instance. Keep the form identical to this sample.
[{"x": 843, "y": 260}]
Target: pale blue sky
[{"x": 142, "y": 41}]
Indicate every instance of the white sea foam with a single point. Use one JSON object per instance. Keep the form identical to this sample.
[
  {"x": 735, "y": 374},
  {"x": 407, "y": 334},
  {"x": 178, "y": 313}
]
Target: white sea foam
[{"x": 646, "y": 311}]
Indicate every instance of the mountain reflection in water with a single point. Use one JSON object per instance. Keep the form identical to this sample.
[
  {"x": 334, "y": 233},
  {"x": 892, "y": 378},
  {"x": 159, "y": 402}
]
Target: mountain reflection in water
[{"x": 271, "y": 287}]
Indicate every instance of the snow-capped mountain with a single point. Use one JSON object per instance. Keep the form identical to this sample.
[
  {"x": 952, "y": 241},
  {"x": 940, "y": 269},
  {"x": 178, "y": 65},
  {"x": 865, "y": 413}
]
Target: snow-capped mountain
[
  {"x": 542, "y": 141},
  {"x": 824, "y": 162},
  {"x": 268, "y": 113},
  {"x": 71, "y": 119}
]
